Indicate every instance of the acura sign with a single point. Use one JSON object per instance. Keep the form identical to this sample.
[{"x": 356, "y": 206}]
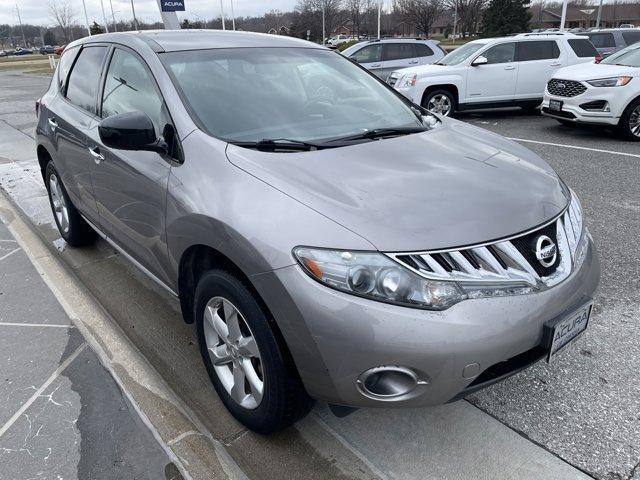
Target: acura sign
[{"x": 172, "y": 5}]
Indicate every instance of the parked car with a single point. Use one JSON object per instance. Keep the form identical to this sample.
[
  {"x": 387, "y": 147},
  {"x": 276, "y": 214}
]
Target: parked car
[
  {"x": 381, "y": 57},
  {"x": 4, "y": 53},
  {"x": 607, "y": 93},
  {"x": 494, "y": 72},
  {"x": 611, "y": 40},
  {"x": 329, "y": 239},
  {"x": 339, "y": 40},
  {"x": 47, "y": 50},
  {"x": 21, "y": 51},
  {"x": 59, "y": 50}
]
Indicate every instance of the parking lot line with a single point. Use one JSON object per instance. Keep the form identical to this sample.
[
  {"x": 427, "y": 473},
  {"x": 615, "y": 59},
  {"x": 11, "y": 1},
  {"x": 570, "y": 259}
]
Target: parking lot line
[
  {"x": 16, "y": 324},
  {"x": 576, "y": 147},
  {"x": 38, "y": 392}
]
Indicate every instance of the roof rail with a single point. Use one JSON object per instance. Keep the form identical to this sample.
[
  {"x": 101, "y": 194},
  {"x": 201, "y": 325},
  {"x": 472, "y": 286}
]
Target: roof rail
[{"x": 545, "y": 34}]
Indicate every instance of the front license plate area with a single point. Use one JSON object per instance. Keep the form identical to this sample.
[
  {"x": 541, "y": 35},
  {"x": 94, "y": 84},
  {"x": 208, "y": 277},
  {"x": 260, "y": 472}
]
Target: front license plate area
[
  {"x": 562, "y": 332},
  {"x": 555, "y": 105}
]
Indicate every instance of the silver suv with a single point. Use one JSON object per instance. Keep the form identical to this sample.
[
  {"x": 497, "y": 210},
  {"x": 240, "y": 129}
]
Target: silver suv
[
  {"x": 329, "y": 239},
  {"x": 611, "y": 40},
  {"x": 381, "y": 57}
]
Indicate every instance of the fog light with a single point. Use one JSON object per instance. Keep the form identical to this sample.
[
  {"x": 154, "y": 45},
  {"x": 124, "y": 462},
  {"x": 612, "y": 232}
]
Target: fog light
[{"x": 388, "y": 382}]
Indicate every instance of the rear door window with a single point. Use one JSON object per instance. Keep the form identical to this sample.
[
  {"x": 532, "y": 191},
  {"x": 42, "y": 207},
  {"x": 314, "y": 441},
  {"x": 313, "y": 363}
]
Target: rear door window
[
  {"x": 84, "y": 79},
  {"x": 582, "y": 47},
  {"x": 368, "y": 54},
  {"x": 631, "y": 37},
  {"x": 398, "y": 51},
  {"x": 602, "y": 40},
  {"x": 423, "y": 50},
  {"x": 538, "y": 50}
]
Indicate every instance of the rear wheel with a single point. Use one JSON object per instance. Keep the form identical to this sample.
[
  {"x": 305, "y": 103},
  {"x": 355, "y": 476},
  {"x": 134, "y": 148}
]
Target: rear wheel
[
  {"x": 629, "y": 125},
  {"x": 441, "y": 102},
  {"x": 248, "y": 368},
  {"x": 72, "y": 227}
]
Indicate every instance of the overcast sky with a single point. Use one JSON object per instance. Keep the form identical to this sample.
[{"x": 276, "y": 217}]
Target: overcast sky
[{"x": 36, "y": 11}]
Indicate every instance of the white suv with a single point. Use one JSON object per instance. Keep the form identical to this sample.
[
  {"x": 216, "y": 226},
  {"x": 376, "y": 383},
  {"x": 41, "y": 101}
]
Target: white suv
[
  {"x": 493, "y": 72},
  {"x": 606, "y": 93}
]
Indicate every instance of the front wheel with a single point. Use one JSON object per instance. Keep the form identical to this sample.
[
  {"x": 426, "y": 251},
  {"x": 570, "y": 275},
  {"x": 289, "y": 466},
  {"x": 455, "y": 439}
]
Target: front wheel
[
  {"x": 629, "y": 125},
  {"x": 441, "y": 102},
  {"x": 248, "y": 368}
]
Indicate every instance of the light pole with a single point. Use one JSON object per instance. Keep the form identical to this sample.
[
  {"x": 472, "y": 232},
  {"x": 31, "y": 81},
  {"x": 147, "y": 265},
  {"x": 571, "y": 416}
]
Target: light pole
[
  {"x": 24, "y": 39},
  {"x": 564, "y": 14},
  {"x": 104, "y": 17},
  {"x": 133, "y": 9},
  {"x": 86, "y": 18},
  {"x": 599, "y": 15},
  {"x": 379, "y": 17},
  {"x": 113, "y": 17},
  {"x": 233, "y": 17},
  {"x": 324, "y": 24},
  {"x": 222, "y": 14}
]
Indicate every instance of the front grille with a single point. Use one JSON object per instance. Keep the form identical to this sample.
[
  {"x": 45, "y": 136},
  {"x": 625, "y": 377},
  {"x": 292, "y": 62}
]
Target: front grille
[
  {"x": 511, "y": 261},
  {"x": 565, "y": 88}
]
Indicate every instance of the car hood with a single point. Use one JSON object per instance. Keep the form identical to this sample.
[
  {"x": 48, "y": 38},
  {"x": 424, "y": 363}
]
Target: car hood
[
  {"x": 428, "y": 70},
  {"x": 592, "y": 71},
  {"x": 452, "y": 186}
]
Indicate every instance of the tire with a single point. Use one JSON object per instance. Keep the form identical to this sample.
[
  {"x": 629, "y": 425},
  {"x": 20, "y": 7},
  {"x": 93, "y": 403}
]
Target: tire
[
  {"x": 282, "y": 400},
  {"x": 629, "y": 125},
  {"x": 436, "y": 98},
  {"x": 72, "y": 227}
]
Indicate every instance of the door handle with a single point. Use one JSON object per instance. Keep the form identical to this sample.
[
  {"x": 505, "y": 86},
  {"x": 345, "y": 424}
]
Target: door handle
[
  {"x": 557, "y": 64},
  {"x": 377, "y": 65},
  {"x": 53, "y": 124},
  {"x": 510, "y": 67},
  {"x": 413, "y": 62},
  {"x": 97, "y": 156}
]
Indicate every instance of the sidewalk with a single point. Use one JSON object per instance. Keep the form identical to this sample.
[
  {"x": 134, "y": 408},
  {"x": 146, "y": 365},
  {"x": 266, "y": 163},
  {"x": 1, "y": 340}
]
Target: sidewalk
[{"x": 61, "y": 413}]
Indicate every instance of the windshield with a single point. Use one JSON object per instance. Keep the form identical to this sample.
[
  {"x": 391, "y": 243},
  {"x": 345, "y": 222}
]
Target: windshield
[
  {"x": 297, "y": 94},
  {"x": 630, "y": 57},
  {"x": 459, "y": 55}
]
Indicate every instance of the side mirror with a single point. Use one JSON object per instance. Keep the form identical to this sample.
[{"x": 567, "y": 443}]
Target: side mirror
[
  {"x": 480, "y": 61},
  {"x": 130, "y": 131}
]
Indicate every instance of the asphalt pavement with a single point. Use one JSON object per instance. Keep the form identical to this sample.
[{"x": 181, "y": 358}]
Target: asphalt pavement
[{"x": 578, "y": 418}]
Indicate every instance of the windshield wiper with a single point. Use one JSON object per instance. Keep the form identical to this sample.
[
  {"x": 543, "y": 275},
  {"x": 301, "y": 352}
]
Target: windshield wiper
[
  {"x": 377, "y": 133},
  {"x": 273, "y": 144}
]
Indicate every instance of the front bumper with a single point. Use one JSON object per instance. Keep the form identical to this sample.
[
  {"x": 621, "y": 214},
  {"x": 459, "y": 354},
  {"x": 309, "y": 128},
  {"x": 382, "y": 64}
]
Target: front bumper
[
  {"x": 334, "y": 337},
  {"x": 573, "y": 112}
]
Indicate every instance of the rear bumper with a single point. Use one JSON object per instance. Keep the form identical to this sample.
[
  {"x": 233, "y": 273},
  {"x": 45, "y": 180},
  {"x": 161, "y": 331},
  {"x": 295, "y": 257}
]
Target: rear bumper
[{"x": 335, "y": 337}]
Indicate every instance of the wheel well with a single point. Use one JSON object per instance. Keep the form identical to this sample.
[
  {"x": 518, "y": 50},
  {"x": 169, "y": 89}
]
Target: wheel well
[
  {"x": 43, "y": 158},
  {"x": 448, "y": 87},
  {"x": 197, "y": 260}
]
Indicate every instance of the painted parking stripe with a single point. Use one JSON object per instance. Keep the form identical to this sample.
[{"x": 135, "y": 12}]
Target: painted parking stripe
[
  {"x": 10, "y": 253},
  {"x": 576, "y": 147},
  {"x": 15, "y": 324}
]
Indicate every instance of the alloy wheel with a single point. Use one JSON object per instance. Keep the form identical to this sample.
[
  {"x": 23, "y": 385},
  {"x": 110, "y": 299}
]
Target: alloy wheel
[
  {"x": 634, "y": 122},
  {"x": 59, "y": 203},
  {"x": 234, "y": 352},
  {"x": 440, "y": 103}
]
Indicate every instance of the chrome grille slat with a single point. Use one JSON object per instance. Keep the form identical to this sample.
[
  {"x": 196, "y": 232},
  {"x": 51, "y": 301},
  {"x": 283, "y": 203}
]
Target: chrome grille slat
[
  {"x": 506, "y": 261},
  {"x": 565, "y": 88}
]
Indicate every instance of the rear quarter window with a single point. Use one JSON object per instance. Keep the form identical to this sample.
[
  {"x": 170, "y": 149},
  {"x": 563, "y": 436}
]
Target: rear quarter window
[
  {"x": 631, "y": 37},
  {"x": 423, "y": 50},
  {"x": 582, "y": 47},
  {"x": 602, "y": 40},
  {"x": 68, "y": 56},
  {"x": 538, "y": 50}
]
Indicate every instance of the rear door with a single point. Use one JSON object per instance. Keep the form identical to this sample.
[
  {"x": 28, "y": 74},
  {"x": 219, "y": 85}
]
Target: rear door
[
  {"x": 396, "y": 56},
  {"x": 370, "y": 57},
  {"x": 426, "y": 55},
  {"x": 74, "y": 117},
  {"x": 130, "y": 186},
  {"x": 604, "y": 42},
  {"x": 496, "y": 80},
  {"x": 537, "y": 60}
]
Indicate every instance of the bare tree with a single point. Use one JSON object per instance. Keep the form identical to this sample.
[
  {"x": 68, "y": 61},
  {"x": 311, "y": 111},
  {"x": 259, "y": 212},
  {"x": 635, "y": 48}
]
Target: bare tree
[
  {"x": 469, "y": 14},
  {"x": 64, "y": 15},
  {"x": 358, "y": 11},
  {"x": 310, "y": 12},
  {"x": 420, "y": 13}
]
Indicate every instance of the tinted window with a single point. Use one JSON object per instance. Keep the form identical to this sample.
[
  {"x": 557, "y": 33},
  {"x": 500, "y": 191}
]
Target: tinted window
[
  {"x": 582, "y": 47},
  {"x": 65, "y": 65},
  {"x": 631, "y": 37},
  {"x": 503, "y": 53},
  {"x": 368, "y": 54},
  {"x": 602, "y": 40},
  {"x": 250, "y": 94},
  {"x": 423, "y": 50},
  {"x": 85, "y": 78},
  {"x": 542, "y": 50},
  {"x": 398, "y": 51},
  {"x": 130, "y": 87}
]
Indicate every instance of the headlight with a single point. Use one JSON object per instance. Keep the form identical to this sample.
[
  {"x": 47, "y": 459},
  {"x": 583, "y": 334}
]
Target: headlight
[
  {"x": 407, "y": 81},
  {"x": 377, "y": 277},
  {"x": 610, "y": 82}
]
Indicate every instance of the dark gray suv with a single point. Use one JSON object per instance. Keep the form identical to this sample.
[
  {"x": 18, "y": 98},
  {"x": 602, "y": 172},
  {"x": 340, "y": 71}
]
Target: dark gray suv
[{"x": 330, "y": 239}]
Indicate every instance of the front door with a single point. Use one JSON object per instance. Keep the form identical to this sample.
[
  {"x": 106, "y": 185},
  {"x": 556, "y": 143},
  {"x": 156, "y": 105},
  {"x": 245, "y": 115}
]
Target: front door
[
  {"x": 494, "y": 81},
  {"x": 130, "y": 186}
]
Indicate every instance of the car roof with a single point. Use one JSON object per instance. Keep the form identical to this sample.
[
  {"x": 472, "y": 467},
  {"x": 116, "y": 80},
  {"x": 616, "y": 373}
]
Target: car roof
[
  {"x": 176, "y": 40},
  {"x": 402, "y": 40}
]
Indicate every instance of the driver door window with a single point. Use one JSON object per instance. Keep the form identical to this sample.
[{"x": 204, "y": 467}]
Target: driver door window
[{"x": 503, "y": 53}]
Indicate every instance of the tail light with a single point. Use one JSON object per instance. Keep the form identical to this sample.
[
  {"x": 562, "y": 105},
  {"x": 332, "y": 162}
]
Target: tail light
[{"x": 598, "y": 58}]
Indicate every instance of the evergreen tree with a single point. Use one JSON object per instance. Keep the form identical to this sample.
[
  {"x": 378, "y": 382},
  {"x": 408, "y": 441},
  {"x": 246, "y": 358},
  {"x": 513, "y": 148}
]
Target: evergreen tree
[
  {"x": 95, "y": 28},
  {"x": 504, "y": 17}
]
